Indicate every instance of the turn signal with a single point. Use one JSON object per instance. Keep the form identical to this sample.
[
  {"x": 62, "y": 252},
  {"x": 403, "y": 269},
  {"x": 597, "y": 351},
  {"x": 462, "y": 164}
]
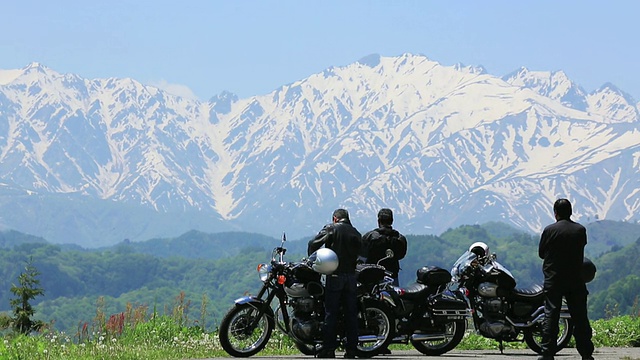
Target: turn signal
[{"x": 281, "y": 279}]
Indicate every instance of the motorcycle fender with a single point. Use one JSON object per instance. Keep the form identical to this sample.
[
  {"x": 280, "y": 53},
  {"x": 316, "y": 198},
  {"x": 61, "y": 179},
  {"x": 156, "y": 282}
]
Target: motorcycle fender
[
  {"x": 249, "y": 300},
  {"x": 387, "y": 298}
]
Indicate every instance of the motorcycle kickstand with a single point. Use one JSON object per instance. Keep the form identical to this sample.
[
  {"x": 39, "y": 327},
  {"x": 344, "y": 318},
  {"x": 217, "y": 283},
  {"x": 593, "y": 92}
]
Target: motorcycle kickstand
[{"x": 501, "y": 347}]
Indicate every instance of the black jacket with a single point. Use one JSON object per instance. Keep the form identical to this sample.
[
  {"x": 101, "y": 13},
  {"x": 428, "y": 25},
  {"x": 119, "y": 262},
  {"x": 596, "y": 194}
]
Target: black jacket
[
  {"x": 562, "y": 249},
  {"x": 376, "y": 242},
  {"x": 343, "y": 239}
]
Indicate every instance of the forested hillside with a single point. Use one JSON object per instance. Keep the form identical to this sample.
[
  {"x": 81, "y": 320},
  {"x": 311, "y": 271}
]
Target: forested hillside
[{"x": 215, "y": 269}]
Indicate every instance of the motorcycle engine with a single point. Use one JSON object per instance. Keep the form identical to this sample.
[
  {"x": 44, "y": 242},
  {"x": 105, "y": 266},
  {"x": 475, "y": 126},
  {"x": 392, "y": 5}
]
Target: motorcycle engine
[
  {"x": 306, "y": 324},
  {"x": 494, "y": 324}
]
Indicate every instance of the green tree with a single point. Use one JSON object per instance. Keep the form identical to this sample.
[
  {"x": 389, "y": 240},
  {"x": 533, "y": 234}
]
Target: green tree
[{"x": 28, "y": 289}]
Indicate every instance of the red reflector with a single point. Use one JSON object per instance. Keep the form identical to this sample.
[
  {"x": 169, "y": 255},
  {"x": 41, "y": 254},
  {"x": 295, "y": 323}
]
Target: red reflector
[
  {"x": 259, "y": 267},
  {"x": 466, "y": 292},
  {"x": 281, "y": 279}
]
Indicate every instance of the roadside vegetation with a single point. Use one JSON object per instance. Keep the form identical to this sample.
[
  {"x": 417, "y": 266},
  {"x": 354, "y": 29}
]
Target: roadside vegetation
[{"x": 143, "y": 333}]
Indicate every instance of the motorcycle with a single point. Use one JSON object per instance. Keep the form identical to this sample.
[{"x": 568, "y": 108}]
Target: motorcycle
[
  {"x": 427, "y": 315},
  {"x": 499, "y": 310},
  {"x": 291, "y": 298}
]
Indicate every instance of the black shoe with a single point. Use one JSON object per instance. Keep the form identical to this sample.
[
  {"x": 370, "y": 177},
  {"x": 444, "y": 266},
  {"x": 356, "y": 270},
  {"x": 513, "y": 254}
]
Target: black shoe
[
  {"x": 545, "y": 357},
  {"x": 588, "y": 358},
  {"x": 349, "y": 356},
  {"x": 385, "y": 351},
  {"x": 326, "y": 354}
]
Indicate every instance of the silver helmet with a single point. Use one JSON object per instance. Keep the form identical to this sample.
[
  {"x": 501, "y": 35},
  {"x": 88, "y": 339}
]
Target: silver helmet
[
  {"x": 324, "y": 261},
  {"x": 479, "y": 248}
]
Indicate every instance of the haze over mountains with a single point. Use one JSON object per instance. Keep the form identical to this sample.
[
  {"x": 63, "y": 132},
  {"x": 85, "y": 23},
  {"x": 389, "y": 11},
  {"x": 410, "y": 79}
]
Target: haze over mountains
[{"x": 95, "y": 161}]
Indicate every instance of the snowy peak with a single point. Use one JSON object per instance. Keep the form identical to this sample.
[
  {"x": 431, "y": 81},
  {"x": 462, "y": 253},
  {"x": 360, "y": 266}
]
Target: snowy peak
[
  {"x": 441, "y": 145},
  {"x": 554, "y": 85},
  {"x": 613, "y": 105}
]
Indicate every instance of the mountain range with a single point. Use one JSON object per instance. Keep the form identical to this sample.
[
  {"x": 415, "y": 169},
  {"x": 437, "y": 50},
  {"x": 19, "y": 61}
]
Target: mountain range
[{"x": 96, "y": 161}]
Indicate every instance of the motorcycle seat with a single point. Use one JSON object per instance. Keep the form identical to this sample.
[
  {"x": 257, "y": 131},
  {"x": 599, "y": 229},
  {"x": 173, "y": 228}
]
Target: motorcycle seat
[
  {"x": 416, "y": 291},
  {"x": 529, "y": 293}
]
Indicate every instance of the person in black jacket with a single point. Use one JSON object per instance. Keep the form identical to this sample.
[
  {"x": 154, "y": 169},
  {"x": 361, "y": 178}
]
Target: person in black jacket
[
  {"x": 345, "y": 240},
  {"x": 376, "y": 242},
  {"x": 562, "y": 249}
]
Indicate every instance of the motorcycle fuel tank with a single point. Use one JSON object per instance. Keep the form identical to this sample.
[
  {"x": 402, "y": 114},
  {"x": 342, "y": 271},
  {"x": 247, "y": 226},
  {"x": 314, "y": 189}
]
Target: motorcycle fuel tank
[{"x": 488, "y": 289}]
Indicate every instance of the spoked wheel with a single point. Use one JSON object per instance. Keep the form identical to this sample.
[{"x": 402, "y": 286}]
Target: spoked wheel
[
  {"x": 244, "y": 330},
  {"x": 375, "y": 329},
  {"x": 440, "y": 342},
  {"x": 533, "y": 336}
]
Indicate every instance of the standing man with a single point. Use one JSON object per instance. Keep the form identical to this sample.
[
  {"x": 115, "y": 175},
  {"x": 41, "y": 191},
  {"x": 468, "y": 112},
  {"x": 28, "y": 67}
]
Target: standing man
[
  {"x": 562, "y": 249},
  {"x": 341, "y": 237},
  {"x": 376, "y": 242}
]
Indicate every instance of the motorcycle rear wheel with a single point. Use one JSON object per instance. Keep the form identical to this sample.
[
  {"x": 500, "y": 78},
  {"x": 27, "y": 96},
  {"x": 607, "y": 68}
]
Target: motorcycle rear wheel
[
  {"x": 238, "y": 338},
  {"x": 376, "y": 329},
  {"x": 453, "y": 334},
  {"x": 533, "y": 336}
]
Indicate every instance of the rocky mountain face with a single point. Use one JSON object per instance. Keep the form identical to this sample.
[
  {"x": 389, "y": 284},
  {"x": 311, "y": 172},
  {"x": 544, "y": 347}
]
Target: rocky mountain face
[{"x": 96, "y": 161}]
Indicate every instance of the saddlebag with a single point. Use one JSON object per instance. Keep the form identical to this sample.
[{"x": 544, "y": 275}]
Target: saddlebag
[{"x": 432, "y": 276}]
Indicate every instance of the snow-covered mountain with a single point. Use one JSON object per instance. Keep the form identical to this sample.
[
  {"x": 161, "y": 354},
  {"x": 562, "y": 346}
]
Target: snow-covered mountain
[{"x": 94, "y": 161}]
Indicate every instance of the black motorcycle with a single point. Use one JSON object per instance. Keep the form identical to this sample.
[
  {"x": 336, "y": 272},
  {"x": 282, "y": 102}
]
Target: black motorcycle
[
  {"x": 427, "y": 314},
  {"x": 291, "y": 298},
  {"x": 499, "y": 310}
]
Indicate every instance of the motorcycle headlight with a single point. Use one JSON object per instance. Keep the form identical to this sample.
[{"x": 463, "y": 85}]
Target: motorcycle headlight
[{"x": 263, "y": 271}]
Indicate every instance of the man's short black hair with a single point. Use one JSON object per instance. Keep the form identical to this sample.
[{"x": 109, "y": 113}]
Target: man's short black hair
[
  {"x": 341, "y": 214},
  {"x": 562, "y": 207},
  {"x": 385, "y": 216}
]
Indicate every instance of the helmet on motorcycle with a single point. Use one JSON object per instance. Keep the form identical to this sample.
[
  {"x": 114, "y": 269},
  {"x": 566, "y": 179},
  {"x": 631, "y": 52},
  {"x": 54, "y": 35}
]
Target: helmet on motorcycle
[
  {"x": 324, "y": 261},
  {"x": 479, "y": 248}
]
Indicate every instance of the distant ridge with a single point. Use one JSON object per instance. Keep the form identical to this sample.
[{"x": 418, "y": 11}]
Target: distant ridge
[{"x": 97, "y": 161}]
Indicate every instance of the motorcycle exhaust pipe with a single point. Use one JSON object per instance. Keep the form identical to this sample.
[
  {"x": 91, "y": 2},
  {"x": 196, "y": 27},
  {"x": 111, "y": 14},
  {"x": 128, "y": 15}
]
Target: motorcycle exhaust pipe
[
  {"x": 369, "y": 338},
  {"x": 526, "y": 325},
  {"x": 427, "y": 337}
]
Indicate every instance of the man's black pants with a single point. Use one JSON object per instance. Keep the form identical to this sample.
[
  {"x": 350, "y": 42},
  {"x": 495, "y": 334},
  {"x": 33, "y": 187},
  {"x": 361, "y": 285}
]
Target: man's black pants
[
  {"x": 576, "y": 297},
  {"x": 341, "y": 292}
]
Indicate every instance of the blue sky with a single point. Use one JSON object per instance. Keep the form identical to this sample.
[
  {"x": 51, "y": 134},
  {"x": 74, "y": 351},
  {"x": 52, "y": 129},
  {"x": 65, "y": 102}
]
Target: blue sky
[{"x": 253, "y": 47}]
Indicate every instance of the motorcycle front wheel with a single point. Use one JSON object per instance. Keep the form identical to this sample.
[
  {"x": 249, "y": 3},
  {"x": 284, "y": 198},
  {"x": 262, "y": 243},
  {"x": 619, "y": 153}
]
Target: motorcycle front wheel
[
  {"x": 375, "y": 329},
  {"x": 245, "y": 330},
  {"x": 533, "y": 336},
  {"x": 434, "y": 344}
]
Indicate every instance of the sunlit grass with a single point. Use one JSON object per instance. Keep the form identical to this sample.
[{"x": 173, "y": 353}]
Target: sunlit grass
[{"x": 137, "y": 334}]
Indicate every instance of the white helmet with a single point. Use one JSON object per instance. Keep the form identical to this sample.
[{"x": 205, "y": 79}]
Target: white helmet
[
  {"x": 324, "y": 261},
  {"x": 479, "y": 248}
]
